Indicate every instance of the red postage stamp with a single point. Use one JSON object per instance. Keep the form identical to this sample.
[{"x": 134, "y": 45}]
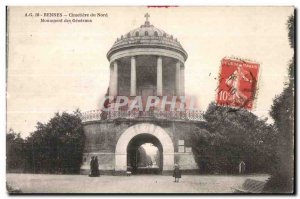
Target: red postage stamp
[{"x": 237, "y": 83}]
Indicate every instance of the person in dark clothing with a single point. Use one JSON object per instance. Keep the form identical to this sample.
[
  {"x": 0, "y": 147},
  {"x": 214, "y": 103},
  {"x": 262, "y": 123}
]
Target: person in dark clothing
[
  {"x": 176, "y": 173},
  {"x": 97, "y": 172},
  {"x": 92, "y": 166}
]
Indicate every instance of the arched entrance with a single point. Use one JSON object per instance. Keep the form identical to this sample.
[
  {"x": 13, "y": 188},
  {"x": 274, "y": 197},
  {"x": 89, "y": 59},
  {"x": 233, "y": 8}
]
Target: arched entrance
[
  {"x": 140, "y": 160},
  {"x": 143, "y": 133}
]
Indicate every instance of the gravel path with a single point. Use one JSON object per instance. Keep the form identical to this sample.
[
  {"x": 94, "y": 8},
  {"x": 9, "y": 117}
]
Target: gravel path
[{"x": 42, "y": 183}]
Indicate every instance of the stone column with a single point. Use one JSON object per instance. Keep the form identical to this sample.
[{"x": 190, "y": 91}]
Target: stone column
[
  {"x": 182, "y": 89},
  {"x": 177, "y": 79},
  {"x": 159, "y": 77},
  {"x": 114, "y": 83},
  {"x": 133, "y": 77},
  {"x": 111, "y": 76}
]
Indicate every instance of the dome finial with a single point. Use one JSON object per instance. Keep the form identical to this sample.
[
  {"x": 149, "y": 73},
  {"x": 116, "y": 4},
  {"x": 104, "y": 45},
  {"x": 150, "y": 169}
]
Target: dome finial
[
  {"x": 147, "y": 16},
  {"x": 147, "y": 21}
]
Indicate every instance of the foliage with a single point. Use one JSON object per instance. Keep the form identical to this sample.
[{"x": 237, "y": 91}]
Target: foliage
[
  {"x": 157, "y": 158},
  {"x": 54, "y": 147},
  {"x": 291, "y": 28},
  {"x": 282, "y": 111},
  {"x": 232, "y": 136},
  {"x": 15, "y": 153}
]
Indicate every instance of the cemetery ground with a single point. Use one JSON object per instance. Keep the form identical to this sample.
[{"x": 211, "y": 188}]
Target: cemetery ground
[{"x": 44, "y": 183}]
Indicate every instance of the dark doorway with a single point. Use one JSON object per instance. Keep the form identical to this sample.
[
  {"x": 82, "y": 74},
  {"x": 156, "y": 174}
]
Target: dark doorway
[{"x": 145, "y": 155}]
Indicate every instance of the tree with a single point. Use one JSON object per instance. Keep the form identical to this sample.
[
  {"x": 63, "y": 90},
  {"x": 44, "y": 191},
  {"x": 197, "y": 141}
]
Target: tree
[
  {"x": 282, "y": 111},
  {"x": 157, "y": 158},
  {"x": 231, "y": 136},
  {"x": 15, "y": 152},
  {"x": 141, "y": 157},
  {"x": 57, "y": 146}
]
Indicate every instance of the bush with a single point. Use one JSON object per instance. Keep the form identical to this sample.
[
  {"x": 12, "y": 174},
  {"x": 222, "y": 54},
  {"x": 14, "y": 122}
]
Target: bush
[
  {"x": 54, "y": 147},
  {"x": 232, "y": 136}
]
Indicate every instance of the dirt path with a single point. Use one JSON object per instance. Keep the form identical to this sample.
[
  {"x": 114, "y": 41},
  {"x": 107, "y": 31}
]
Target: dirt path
[{"x": 40, "y": 183}]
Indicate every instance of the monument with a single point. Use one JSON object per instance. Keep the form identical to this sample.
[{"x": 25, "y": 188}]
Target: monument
[{"x": 143, "y": 62}]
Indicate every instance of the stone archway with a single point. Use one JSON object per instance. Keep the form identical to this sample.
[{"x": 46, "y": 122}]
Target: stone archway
[
  {"x": 144, "y": 128},
  {"x": 139, "y": 158}
]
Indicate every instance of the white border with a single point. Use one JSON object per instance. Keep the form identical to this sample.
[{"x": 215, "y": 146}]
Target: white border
[{"x": 3, "y": 4}]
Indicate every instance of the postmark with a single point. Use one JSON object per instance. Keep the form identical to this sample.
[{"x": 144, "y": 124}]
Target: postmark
[{"x": 237, "y": 83}]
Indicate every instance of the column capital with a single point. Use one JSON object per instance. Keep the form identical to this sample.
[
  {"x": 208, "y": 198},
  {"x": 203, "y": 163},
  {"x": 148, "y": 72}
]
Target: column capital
[
  {"x": 115, "y": 65},
  {"x": 179, "y": 62},
  {"x": 182, "y": 65}
]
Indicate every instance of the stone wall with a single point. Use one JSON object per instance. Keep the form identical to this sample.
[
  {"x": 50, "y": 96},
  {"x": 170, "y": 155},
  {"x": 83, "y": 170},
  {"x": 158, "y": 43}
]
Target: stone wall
[{"x": 102, "y": 137}]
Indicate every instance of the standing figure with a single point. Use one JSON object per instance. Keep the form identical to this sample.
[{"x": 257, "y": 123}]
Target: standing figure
[
  {"x": 97, "y": 172},
  {"x": 92, "y": 163},
  {"x": 177, "y": 173},
  {"x": 242, "y": 167}
]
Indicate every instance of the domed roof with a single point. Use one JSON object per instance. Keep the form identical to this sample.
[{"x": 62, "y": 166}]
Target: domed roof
[{"x": 145, "y": 36}]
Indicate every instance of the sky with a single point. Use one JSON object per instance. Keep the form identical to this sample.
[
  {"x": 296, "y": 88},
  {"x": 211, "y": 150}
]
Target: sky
[
  {"x": 150, "y": 149},
  {"x": 55, "y": 67}
]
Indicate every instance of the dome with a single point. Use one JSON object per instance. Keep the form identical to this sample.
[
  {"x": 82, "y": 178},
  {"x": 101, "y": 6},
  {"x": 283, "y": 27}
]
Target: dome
[{"x": 145, "y": 36}]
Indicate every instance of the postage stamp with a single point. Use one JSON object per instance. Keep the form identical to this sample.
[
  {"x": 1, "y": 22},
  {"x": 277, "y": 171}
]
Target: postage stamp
[{"x": 237, "y": 83}]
